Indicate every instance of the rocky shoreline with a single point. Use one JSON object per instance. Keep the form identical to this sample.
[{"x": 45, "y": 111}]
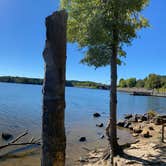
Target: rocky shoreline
[
  {"x": 148, "y": 149},
  {"x": 142, "y": 124}
]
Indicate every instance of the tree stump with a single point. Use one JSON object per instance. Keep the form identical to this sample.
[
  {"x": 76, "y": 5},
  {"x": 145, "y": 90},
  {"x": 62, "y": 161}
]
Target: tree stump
[{"x": 53, "y": 128}]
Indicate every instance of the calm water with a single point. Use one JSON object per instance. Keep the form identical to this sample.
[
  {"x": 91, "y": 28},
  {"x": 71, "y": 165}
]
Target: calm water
[
  {"x": 21, "y": 109},
  {"x": 20, "y": 105}
]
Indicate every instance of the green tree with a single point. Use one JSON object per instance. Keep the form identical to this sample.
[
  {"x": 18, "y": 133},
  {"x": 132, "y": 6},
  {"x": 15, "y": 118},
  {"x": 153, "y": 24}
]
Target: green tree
[
  {"x": 140, "y": 83},
  {"x": 163, "y": 81},
  {"x": 153, "y": 81},
  {"x": 102, "y": 27},
  {"x": 131, "y": 82},
  {"x": 122, "y": 83}
]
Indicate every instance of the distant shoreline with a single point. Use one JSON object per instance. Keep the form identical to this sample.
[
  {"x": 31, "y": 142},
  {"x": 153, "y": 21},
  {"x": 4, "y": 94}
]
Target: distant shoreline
[
  {"x": 39, "y": 81},
  {"x": 142, "y": 92}
]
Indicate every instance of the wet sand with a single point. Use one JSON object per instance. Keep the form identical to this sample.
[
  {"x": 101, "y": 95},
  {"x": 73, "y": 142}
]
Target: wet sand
[{"x": 30, "y": 155}]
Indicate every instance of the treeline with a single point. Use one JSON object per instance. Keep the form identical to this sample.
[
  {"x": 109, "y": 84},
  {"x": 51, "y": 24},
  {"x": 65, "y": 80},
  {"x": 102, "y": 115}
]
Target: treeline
[
  {"x": 153, "y": 81},
  {"x": 88, "y": 84},
  {"x": 38, "y": 81},
  {"x": 21, "y": 80}
]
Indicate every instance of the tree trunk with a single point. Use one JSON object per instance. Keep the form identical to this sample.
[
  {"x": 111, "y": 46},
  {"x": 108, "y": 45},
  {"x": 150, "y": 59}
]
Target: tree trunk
[
  {"x": 53, "y": 128},
  {"x": 113, "y": 97}
]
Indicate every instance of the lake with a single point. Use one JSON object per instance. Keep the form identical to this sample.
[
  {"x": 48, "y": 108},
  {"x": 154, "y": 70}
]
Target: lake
[{"x": 21, "y": 109}]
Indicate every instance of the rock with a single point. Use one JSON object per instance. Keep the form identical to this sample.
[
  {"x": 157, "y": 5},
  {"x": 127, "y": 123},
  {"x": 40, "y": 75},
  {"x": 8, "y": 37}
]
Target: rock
[
  {"x": 131, "y": 162},
  {"x": 151, "y": 128},
  {"x": 133, "y": 119},
  {"x": 7, "y": 136},
  {"x": 135, "y": 135},
  {"x": 83, "y": 160},
  {"x": 137, "y": 129},
  {"x": 131, "y": 127},
  {"x": 139, "y": 116},
  {"x": 96, "y": 115},
  {"x": 139, "y": 120},
  {"x": 128, "y": 116},
  {"x": 102, "y": 136},
  {"x": 82, "y": 139},
  {"x": 144, "y": 117},
  {"x": 127, "y": 124},
  {"x": 100, "y": 125},
  {"x": 159, "y": 120},
  {"x": 121, "y": 123},
  {"x": 145, "y": 133}
]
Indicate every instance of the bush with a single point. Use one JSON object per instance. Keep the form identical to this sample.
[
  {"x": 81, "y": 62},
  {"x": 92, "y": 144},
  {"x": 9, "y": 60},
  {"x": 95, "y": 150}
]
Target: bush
[{"x": 151, "y": 114}]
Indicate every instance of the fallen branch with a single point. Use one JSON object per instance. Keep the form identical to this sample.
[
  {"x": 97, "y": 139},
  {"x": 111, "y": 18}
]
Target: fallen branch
[
  {"x": 86, "y": 149},
  {"x": 13, "y": 142},
  {"x": 37, "y": 140},
  {"x": 32, "y": 140},
  {"x": 19, "y": 137}
]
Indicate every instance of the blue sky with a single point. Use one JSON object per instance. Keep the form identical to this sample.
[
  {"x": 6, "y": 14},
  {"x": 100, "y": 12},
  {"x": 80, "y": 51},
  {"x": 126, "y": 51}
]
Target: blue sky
[{"x": 23, "y": 35}]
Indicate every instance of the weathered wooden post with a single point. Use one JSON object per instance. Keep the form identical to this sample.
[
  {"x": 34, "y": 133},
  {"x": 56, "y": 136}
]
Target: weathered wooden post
[{"x": 53, "y": 128}]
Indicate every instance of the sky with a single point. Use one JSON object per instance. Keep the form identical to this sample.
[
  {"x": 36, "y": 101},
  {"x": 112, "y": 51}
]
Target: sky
[{"x": 22, "y": 39}]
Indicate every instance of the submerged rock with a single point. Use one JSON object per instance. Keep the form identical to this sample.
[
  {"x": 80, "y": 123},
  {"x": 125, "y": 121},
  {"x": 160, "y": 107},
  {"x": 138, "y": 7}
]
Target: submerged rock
[
  {"x": 7, "y": 136},
  {"x": 102, "y": 136},
  {"x": 100, "y": 125},
  {"x": 96, "y": 115},
  {"x": 82, "y": 139}
]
